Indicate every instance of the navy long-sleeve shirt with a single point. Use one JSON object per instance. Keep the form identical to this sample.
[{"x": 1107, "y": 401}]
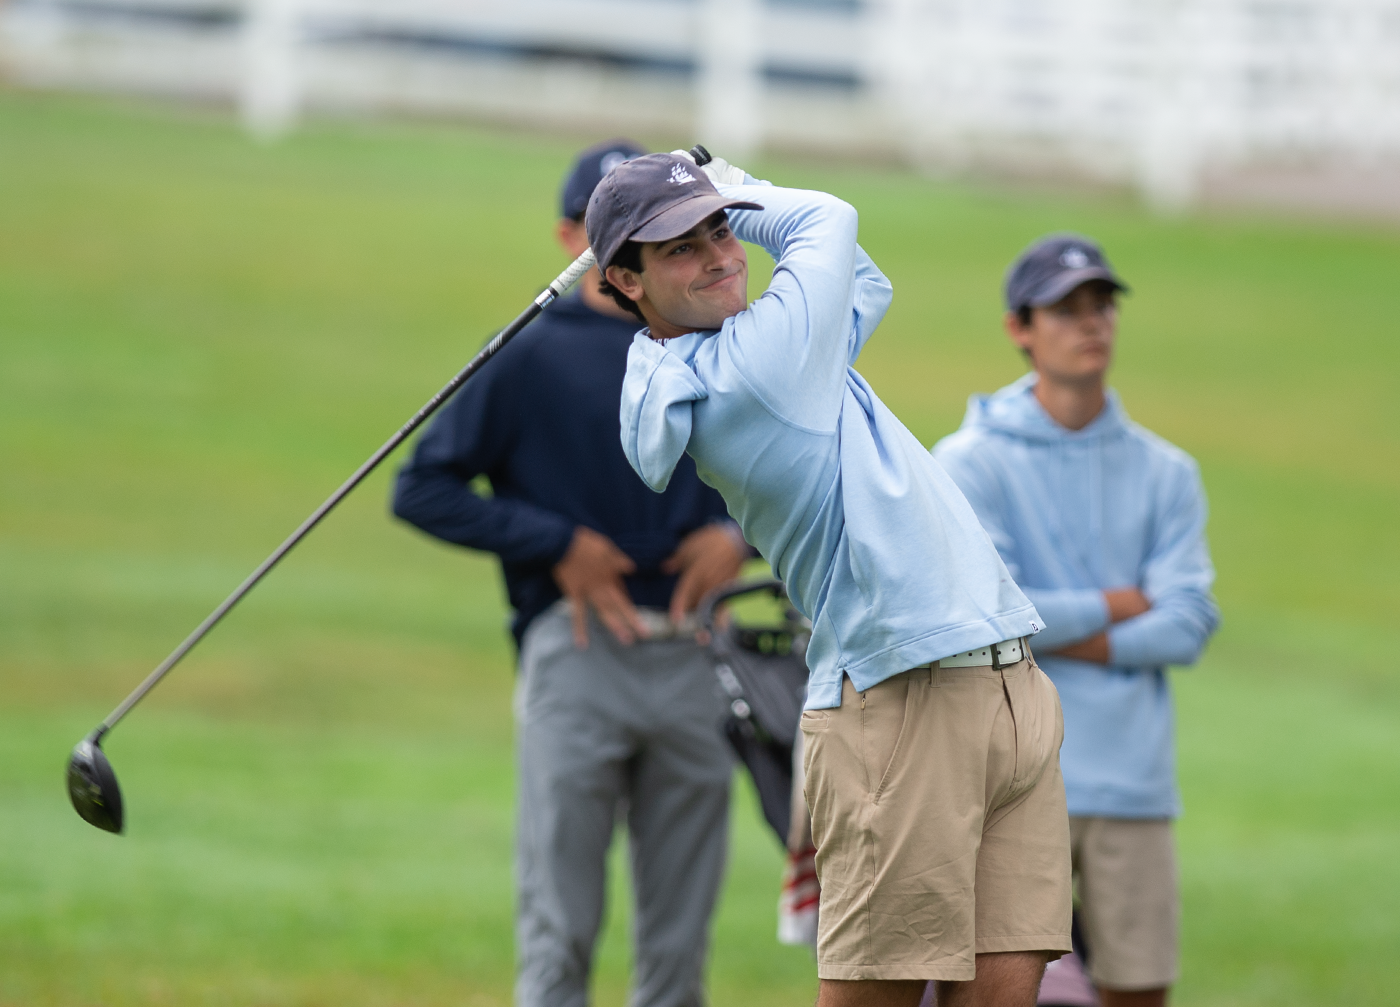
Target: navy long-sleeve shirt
[{"x": 540, "y": 422}]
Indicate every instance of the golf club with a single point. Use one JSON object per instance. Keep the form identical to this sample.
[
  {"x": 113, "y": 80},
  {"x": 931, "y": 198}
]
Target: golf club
[{"x": 92, "y": 785}]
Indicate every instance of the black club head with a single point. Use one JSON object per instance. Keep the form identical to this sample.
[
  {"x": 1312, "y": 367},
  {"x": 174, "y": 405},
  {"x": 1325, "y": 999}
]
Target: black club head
[{"x": 92, "y": 786}]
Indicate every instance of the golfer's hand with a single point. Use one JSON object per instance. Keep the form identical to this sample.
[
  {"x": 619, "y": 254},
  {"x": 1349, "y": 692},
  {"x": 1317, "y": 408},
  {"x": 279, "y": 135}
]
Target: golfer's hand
[
  {"x": 590, "y": 575},
  {"x": 707, "y": 558},
  {"x": 721, "y": 172},
  {"x": 1125, "y": 603}
]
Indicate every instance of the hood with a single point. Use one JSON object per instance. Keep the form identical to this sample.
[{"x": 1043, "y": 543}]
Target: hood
[
  {"x": 1015, "y": 411},
  {"x": 658, "y": 392}
]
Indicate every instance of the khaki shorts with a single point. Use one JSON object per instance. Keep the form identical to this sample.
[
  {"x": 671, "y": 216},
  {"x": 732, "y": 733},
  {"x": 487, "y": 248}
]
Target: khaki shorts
[
  {"x": 938, "y": 811},
  {"x": 1125, "y": 872}
]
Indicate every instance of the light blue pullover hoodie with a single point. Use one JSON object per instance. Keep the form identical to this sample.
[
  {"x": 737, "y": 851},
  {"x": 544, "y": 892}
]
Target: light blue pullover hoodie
[
  {"x": 875, "y": 543},
  {"x": 1074, "y": 513}
]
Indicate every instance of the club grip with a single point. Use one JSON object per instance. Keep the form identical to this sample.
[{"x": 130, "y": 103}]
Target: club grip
[
  {"x": 570, "y": 276},
  {"x": 701, "y": 155}
]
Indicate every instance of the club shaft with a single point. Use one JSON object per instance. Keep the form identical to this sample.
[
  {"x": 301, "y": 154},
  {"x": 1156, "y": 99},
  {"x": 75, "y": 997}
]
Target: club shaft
[{"x": 561, "y": 283}]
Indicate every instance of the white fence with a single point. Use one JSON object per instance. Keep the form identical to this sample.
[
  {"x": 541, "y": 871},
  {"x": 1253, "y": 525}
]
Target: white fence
[
  {"x": 1162, "y": 94},
  {"x": 1157, "y": 91}
]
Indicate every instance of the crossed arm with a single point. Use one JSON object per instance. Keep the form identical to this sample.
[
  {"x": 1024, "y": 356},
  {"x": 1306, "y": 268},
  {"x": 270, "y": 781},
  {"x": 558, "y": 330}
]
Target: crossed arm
[
  {"x": 1123, "y": 603},
  {"x": 1164, "y": 618}
]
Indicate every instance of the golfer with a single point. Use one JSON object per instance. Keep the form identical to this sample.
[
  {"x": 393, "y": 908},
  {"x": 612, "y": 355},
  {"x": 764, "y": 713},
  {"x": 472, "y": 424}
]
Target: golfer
[
  {"x": 931, "y": 738},
  {"x": 1102, "y": 523},
  {"x": 616, "y": 705}
]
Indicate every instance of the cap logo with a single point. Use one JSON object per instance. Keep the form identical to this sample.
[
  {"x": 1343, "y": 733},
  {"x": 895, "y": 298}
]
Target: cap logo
[
  {"x": 679, "y": 176},
  {"x": 611, "y": 160},
  {"x": 1074, "y": 258}
]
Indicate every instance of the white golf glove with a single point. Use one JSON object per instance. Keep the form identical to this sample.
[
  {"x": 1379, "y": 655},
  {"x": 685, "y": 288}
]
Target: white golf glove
[{"x": 721, "y": 172}]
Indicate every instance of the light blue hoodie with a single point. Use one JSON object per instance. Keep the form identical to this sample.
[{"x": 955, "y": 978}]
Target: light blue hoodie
[
  {"x": 1074, "y": 513},
  {"x": 875, "y": 543}
]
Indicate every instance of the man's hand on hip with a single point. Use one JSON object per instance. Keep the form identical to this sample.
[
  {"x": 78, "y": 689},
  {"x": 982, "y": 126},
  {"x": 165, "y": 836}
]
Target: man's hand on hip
[
  {"x": 706, "y": 558},
  {"x": 590, "y": 575}
]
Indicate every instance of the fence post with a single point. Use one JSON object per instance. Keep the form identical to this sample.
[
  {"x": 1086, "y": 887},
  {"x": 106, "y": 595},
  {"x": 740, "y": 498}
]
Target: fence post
[
  {"x": 270, "y": 92},
  {"x": 900, "y": 61},
  {"x": 729, "y": 78},
  {"x": 1182, "y": 63}
]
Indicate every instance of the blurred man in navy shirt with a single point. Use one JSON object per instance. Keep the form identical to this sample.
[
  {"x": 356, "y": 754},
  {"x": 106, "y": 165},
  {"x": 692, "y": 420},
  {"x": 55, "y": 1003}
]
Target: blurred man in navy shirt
[{"x": 616, "y": 707}]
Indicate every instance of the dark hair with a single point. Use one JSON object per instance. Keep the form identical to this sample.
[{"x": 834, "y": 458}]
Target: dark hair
[
  {"x": 1024, "y": 315},
  {"x": 629, "y": 256}
]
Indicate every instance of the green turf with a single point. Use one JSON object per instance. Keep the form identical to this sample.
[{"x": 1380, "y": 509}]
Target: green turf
[{"x": 200, "y": 336}]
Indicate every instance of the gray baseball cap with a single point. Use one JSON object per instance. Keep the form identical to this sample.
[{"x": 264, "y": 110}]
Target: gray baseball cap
[
  {"x": 1052, "y": 267},
  {"x": 653, "y": 198}
]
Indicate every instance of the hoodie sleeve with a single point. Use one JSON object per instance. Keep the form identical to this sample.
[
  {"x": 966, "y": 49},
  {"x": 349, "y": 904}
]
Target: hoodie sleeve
[
  {"x": 794, "y": 343},
  {"x": 657, "y": 394},
  {"x": 1070, "y": 614},
  {"x": 1177, "y": 578},
  {"x": 873, "y": 294}
]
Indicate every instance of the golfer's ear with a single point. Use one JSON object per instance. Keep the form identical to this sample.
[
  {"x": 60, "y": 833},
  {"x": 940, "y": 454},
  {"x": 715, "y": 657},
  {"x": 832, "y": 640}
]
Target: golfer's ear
[{"x": 625, "y": 280}]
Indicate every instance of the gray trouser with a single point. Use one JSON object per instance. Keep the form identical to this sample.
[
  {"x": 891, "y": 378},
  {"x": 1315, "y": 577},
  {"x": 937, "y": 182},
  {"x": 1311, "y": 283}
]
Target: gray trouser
[{"x": 602, "y": 732}]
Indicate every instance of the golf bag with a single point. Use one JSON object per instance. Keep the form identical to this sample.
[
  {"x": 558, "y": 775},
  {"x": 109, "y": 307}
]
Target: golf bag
[{"x": 763, "y": 672}]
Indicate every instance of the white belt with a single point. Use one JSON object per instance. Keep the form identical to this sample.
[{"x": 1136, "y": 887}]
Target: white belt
[{"x": 998, "y": 655}]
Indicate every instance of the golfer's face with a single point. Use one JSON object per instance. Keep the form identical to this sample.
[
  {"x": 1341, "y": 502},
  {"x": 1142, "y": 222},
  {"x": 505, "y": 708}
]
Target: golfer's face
[{"x": 698, "y": 280}]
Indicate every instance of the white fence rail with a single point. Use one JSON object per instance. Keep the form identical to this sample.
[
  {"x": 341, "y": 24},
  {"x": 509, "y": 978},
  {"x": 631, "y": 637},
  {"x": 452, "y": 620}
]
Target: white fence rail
[{"x": 1157, "y": 93}]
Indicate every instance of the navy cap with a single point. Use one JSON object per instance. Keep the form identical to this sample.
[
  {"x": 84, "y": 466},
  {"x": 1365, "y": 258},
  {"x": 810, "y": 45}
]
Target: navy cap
[
  {"x": 589, "y": 168},
  {"x": 1052, "y": 267},
  {"x": 653, "y": 198}
]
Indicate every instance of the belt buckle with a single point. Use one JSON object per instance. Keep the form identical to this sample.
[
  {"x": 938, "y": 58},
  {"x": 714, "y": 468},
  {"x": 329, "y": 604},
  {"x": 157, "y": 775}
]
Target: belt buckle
[{"x": 995, "y": 650}]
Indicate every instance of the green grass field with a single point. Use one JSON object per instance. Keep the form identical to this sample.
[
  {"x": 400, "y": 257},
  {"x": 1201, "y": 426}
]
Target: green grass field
[{"x": 199, "y": 337}]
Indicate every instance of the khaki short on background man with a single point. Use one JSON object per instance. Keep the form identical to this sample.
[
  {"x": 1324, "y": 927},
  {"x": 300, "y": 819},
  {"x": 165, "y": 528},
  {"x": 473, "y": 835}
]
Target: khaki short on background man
[
  {"x": 1129, "y": 906},
  {"x": 939, "y": 818}
]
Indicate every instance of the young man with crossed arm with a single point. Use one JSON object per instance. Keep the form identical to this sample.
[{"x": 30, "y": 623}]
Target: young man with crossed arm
[
  {"x": 1104, "y": 524},
  {"x": 931, "y": 736}
]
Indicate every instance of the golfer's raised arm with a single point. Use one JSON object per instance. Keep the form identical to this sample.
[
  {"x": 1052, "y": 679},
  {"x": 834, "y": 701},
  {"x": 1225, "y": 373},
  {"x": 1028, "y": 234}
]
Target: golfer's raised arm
[{"x": 796, "y": 341}]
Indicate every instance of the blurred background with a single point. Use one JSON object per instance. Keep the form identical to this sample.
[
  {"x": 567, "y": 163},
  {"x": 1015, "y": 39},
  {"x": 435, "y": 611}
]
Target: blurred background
[
  {"x": 240, "y": 244},
  {"x": 1286, "y": 102}
]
